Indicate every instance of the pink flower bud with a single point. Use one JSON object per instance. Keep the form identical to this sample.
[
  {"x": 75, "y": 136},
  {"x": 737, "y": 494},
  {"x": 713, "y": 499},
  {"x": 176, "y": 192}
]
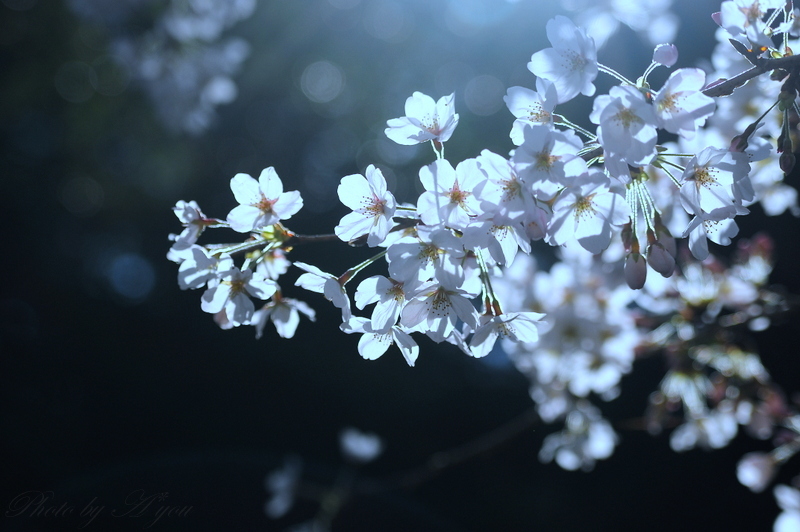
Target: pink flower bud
[
  {"x": 665, "y": 54},
  {"x": 635, "y": 271},
  {"x": 660, "y": 259},
  {"x": 786, "y": 162}
]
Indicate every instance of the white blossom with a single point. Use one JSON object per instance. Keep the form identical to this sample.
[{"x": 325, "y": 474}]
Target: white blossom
[
  {"x": 373, "y": 207},
  {"x": 262, "y": 202},
  {"x": 425, "y": 120},
  {"x": 571, "y": 64}
]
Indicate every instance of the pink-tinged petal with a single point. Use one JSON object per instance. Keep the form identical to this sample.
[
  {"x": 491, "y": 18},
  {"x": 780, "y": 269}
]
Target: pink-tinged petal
[
  {"x": 698, "y": 243},
  {"x": 311, "y": 282},
  {"x": 407, "y": 131},
  {"x": 438, "y": 176},
  {"x": 385, "y": 315},
  {"x": 376, "y": 181},
  {"x": 464, "y": 309},
  {"x": 244, "y": 218},
  {"x": 288, "y": 204},
  {"x": 408, "y": 347},
  {"x": 368, "y": 291},
  {"x": 372, "y": 345},
  {"x": 286, "y": 319},
  {"x": 414, "y": 313},
  {"x": 245, "y": 189},
  {"x": 239, "y": 309},
  {"x": 270, "y": 184},
  {"x": 334, "y": 293},
  {"x": 598, "y": 242},
  {"x": 419, "y": 105},
  {"x": 214, "y": 298},
  {"x": 261, "y": 288},
  {"x": 355, "y": 192},
  {"x": 352, "y": 226},
  {"x": 523, "y": 326}
]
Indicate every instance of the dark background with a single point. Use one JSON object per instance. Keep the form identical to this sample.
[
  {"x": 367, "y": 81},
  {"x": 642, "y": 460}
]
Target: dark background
[{"x": 113, "y": 380}]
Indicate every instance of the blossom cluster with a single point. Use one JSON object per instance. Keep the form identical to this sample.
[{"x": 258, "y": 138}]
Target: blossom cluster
[
  {"x": 183, "y": 62},
  {"x": 658, "y": 165}
]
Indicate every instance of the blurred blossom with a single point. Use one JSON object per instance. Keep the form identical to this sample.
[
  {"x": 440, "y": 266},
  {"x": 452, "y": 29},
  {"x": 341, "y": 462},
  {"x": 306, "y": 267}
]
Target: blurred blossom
[
  {"x": 180, "y": 62},
  {"x": 322, "y": 81},
  {"x": 185, "y": 83},
  {"x": 360, "y": 446},
  {"x": 789, "y": 501},
  {"x": 652, "y": 19},
  {"x": 282, "y": 485},
  {"x": 586, "y": 438},
  {"x": 756, "y": 470},
  {"x": 131, "y": 276},
  {"x": 204, "y": 20}
]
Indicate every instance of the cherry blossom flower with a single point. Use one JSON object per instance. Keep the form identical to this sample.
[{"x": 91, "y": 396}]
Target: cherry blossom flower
[
  {"x": 201, "y": 267},
  {"x": 389, "y": 296},
  {"x": 232, "y": 293},
  {"x": 586, "y": 211},
  {"x": 315, "y": 280},
  {"x": 626, "y": 125},
  {"x": 708, "y": 180},
  {"x": 373, "y": 207},
  {"x": 448, "y": 198},
  {"x": 262, "y": 202},
  {"x": 194, "y": 222},
  {"x": 516, "y": 326},
  {"x": 374, "y": 343},
  {"x": 431, "y": 252},
  {"x": 504, "y": 192},
  {"x": 500, "y": 238},
  {"x": 425, "y": 120},
  {"x": 680, "y": 105},
  {"x": 273, "y": 264},
  {"x": 548, "y": 160},
  {"x": 531, "y": 107},
  {"x": 571, "y": 64},
  {"x": 284, "y": 313},
  {"x": 434, "y": 308},
  {"x": 745, "y": 17},
  {"x": 717, "y": 226}
]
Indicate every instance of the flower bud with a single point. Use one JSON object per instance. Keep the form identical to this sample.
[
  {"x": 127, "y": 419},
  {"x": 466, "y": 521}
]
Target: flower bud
[
  {"x": 665, "y": 54},
  {"x": 635, "y": 271},
  {"x": 660, "y": 259},
  {"x": 786, "y": 161},
  {"x": 756, "y": 470}
]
